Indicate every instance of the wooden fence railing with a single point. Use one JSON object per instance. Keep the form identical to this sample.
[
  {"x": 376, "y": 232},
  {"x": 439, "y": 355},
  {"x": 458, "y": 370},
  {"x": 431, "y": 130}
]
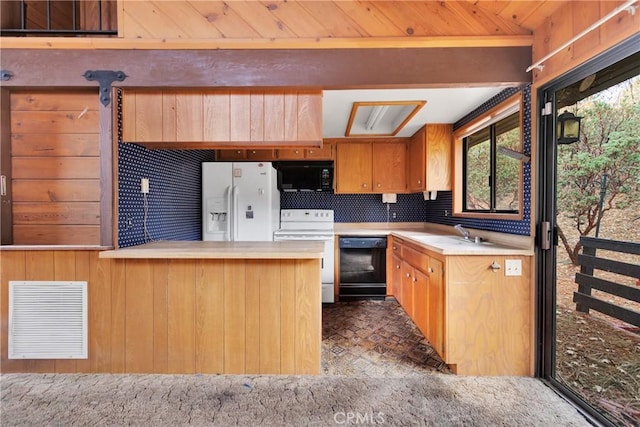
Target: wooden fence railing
[{"x": 586, "y": 280}]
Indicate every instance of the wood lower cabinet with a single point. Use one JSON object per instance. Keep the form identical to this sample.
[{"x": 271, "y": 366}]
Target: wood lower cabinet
[
  {"x": 406, "y": 285},
  {"x": 475, "y": 317},
  {"x": 420, "y": 281},
  {"x": 435, "y": 303},
  {"x": 421, "y": 307},
  {"x": 396, "y": 278},
  {"x": 488, "y": 316}
]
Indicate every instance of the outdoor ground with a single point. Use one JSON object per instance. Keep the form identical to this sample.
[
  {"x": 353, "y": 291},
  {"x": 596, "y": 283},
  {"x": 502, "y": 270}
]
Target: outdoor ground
[{"x": 598, "y": 356}]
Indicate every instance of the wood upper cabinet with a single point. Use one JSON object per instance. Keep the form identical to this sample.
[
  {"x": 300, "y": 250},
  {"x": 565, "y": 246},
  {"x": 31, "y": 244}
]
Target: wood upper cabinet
[
  {"x": 322, "y": 153},
  {"x": 389, "y": 167},
  {"x": 251, "y": 119},
  {"x": 353, "y": 167},
  {"x": 248, "y": 155},
  {"x": 430, "y": 158},
  {"x": 365, "y": 166}
]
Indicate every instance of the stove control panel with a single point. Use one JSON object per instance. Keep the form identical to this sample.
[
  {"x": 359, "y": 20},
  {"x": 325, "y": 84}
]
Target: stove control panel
[{"x": 306, "y": 215}]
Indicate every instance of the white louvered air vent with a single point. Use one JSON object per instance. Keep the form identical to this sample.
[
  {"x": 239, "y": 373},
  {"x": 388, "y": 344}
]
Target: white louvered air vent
[{"x": 47, "y": 320}]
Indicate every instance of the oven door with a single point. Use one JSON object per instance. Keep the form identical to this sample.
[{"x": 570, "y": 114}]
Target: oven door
[{"x": 363, "y": 268}]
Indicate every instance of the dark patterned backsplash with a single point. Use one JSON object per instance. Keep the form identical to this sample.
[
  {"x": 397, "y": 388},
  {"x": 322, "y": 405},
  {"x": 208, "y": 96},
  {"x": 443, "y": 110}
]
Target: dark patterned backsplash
[
  {"x": 359, "y": 207},
  {"x": 174, "y": 193}
]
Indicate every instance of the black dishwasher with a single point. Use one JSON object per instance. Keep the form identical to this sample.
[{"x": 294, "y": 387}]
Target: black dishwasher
[{"x": 363, "y": 267}]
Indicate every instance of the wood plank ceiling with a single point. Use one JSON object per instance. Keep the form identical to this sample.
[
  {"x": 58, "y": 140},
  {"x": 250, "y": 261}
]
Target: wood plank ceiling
[{"x": 331, "y": 19}]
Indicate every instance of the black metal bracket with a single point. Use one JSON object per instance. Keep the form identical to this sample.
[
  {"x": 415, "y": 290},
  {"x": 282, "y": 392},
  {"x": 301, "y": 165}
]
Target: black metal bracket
[
  {"x": 5, "y": 75},
  {"x": 105, "y": 78}
]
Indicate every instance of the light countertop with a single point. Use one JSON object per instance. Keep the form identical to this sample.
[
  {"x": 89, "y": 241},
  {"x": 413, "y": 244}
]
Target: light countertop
[
  {"x": 220, "y": 250},
  {"x": 442, "y": 239},
  {"x": 54, "y": 248}
]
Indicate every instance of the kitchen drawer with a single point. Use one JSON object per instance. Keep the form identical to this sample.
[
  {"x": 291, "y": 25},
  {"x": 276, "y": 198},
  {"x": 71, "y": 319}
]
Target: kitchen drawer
[
  {"x": 396, "y": 247},
  {"x": 416, "y": 258}
]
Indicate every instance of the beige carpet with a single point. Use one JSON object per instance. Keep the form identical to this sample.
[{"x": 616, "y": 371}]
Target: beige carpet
[{"x": 158, "y": 400}]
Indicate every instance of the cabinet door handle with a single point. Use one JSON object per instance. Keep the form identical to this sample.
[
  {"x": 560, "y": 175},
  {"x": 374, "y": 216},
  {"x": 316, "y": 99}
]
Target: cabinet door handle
[
  {"x": 419, "y": 181},
  {"x": 430, "y": 270},
  {"x": 415, "y": 279},
  {"x": 408, "y": 275},
  {"x": 495, "y": 266},
  {"x": 364, "y": 185},
  {"x": 310, "y": 151},
  {"x": 398, "y": 266},
  {"x": 379, "y": 185},
  {"x": 3, "y": 185},
  {"x": 395, "y": 248}
]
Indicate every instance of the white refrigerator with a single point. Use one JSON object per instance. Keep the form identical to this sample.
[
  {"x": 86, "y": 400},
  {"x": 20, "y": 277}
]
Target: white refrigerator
[{"x": 240, "y": 201}]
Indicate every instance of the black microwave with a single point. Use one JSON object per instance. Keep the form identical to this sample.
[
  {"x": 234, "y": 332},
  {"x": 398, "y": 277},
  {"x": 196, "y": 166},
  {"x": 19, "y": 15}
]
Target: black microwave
[{"x": 305, "y": 175}]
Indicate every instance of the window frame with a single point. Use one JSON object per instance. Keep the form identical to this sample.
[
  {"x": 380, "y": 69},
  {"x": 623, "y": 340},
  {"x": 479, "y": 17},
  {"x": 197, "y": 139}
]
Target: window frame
[{"x": 481, "y": 122}]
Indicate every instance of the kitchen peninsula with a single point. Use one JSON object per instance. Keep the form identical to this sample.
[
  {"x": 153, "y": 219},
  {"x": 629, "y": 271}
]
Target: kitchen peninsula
[{"x": 222, "y": 307}]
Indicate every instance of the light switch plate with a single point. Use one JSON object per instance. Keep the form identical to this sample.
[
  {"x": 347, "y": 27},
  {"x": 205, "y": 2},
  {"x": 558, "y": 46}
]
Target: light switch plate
[{"x": 513, "y": 267}]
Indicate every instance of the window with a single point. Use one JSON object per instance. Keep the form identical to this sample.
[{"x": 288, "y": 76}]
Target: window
[
  {"x": 491, "y": 177},
  {"x": 489, "y": 164}
]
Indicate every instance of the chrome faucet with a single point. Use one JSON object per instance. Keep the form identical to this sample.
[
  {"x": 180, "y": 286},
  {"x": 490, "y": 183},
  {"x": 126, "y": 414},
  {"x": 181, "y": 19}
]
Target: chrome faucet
[{"x": 460, "y": 229}]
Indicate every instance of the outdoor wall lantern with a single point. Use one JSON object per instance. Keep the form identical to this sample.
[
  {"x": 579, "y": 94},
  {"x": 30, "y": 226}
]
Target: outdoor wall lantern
[{"x": 568, "y": 130}]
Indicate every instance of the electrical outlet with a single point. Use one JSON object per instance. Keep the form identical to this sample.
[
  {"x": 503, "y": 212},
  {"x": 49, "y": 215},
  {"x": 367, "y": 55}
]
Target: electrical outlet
[
  {"x": 393, "y": 215},
  {"x": 128, "y": 222},
  {"x": 513, "y": 267},
  {"x": 144, "y": 185},
  {"x": 446, "y": 212}
]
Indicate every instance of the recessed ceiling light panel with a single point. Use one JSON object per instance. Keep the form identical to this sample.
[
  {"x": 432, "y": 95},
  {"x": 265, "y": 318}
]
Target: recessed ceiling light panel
[{"x": 381, "y": 118}]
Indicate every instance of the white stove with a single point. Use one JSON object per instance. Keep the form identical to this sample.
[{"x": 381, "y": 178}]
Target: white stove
[{"x": 312, "y": 224}]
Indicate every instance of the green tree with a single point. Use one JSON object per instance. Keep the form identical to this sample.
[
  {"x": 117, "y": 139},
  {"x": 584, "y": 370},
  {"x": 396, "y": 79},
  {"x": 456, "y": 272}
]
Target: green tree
[{"x": 609, "y": 144}]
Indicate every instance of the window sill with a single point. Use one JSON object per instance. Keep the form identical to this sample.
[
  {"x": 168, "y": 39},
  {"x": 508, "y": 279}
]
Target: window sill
[{"x": 479, "y": 215}]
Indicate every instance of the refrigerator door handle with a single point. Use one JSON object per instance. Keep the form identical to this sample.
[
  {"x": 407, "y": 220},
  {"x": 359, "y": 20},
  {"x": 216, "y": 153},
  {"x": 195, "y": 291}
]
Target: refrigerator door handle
[
  {"x": 235, "y": 212},
  {"x": 227, "y": 232}
]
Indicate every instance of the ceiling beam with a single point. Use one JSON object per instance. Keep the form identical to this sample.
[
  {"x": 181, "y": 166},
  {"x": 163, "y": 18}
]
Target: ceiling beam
[
  {"x": 326, "y": 69},
  {"x": 296, "y": 43}
]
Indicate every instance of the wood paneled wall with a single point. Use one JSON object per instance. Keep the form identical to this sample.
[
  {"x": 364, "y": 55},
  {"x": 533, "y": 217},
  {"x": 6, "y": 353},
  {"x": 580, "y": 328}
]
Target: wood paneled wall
[
  {"x": 181, "y": 316},
  {"x": 568, "y": 21},
  {"x": 55, "y": 163}
]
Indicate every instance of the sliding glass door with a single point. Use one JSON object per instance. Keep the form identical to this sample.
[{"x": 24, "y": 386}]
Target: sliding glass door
[{"x": 589, "y": 229}]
